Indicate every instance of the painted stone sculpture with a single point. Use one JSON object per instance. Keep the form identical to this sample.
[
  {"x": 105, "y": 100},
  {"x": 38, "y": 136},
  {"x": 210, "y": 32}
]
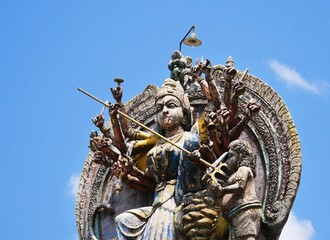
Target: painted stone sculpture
[{"x": 212, "y": 154}]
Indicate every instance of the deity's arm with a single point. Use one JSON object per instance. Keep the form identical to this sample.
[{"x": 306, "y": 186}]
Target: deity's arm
[
  {"x": 222, "y": 117},
  {"x": 252, "y": 109},
  {"x": 128, "y": 131},
  {"x": 105, "y": 152},
  {"x": 214, "y": 91},
  {"x": 227, "y": 90},
  {"x": 236, "y": 131},
  {"x": 217, "y": 146},
  {"x": 210, "y": 131},
  {"x": 205, "y": 87},
  {"x": 224, "y": 136},
  {"x": 206, "y": 146},
  {"x": 124, "y": 169},
  {"x": 208, "y": 70},
  {"x": 229, "y": 74},
  {"x": 129, "y": 168},
  {"x": 133, "y": 172},
  {"x": 138, "y": 177},
  {"x": 99, "y": 122},
  {"x": 117, "y": 128},
  {"x": 143, "y": 146},
  {"x": 238, "y": 89},
  {"x": 196, "y": 72},
  {"x": 138, "y": 182}
]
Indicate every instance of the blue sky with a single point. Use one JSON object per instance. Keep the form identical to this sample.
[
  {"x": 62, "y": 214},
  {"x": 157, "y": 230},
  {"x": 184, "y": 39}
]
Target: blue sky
[{"x": 49, "y": 48}]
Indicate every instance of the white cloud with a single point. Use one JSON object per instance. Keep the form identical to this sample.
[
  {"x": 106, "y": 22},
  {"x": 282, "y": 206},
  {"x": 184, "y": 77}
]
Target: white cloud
[
  {"x": 291, "y": 77},
  {"x": 73, "y": 184},
  {"x": 296, "y": 229}
]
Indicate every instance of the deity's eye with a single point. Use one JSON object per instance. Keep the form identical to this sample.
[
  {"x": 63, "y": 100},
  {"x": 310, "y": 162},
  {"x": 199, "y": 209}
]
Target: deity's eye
[
  {"x": 159, "y": 107},
  {"x": 171, "y": 105}
]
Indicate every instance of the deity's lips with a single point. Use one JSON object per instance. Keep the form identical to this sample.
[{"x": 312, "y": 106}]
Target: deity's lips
[{"x": 167, "y": 119}]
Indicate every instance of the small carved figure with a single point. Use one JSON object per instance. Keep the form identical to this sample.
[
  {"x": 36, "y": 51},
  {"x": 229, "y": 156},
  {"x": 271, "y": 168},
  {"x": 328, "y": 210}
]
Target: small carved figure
[{"x": 239, "y": 203}]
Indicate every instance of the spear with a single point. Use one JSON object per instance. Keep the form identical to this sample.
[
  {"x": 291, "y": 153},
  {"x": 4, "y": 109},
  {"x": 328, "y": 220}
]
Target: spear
[{"x": 106, "y": 104}]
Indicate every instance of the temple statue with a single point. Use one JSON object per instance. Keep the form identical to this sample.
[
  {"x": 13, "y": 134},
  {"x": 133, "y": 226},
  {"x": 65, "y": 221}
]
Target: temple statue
[{"x": 212, "y": 154}]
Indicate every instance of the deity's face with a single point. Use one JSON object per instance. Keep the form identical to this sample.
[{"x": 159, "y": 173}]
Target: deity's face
[{"x": 169, "y": 112}]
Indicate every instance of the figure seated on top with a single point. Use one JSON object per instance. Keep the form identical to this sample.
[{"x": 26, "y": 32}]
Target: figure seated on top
[{"x": 180, "y": 68}]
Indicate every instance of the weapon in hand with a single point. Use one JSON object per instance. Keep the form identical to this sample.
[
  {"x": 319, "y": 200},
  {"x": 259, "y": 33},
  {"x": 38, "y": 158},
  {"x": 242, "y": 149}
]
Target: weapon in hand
[
  {"x": 243, "y": 75},
  {"x": 202, "y": 161}
]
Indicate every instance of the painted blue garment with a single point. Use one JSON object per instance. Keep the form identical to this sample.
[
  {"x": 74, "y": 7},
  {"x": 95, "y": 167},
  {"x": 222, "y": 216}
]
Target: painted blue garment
[{"x": 175, "y": 176}]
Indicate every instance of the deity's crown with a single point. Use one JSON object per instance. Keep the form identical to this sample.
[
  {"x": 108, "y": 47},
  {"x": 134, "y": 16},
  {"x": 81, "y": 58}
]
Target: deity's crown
[{"x": 173, "y": 88}]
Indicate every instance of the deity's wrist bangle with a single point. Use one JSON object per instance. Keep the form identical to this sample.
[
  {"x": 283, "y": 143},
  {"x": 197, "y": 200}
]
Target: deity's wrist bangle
[
  {"x": 104, "y": 129},
  {"x": 135, "y": 134}
]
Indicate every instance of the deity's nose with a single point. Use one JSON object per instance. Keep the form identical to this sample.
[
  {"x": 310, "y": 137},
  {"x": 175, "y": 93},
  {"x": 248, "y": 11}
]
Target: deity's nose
[{"x": 165, "y": 110}]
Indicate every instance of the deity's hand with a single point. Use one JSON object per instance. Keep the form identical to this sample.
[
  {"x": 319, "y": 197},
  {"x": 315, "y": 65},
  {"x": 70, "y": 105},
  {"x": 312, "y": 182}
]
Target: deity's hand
[
  {"x": 127, "y": 164},
  {"x": 113, "y": 110},
  {"x": 253, "y": 108},
  {"x": 206, "y": 67},
  {"x": 94, "y": 142},
  {"x": 216, "y": 188},
  {"x": 207, "y": 152},
  {"x": 223, "y": 115},
  {"x": 123, "y": 166},
  {"x": 196, "y": 71},
  {"x": 212, "y": 184},
  {"x": 116, "y": 168},
  {"x": 105, "y": 144},
  {"x": 211, "y": 118},
  {"x": 194, "y": 156},
  {"x": 98, "y": 121},
  {"x": 117, "y": 93},
  {"x": 239, "y": 88},
  {"x": 230, "y": 73}
]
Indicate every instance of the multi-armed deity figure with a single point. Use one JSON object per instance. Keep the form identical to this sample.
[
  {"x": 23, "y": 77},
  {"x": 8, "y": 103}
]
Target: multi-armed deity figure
[
  {"x": 194, "y": 164},
  {"x": 174, "y": 174}
]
